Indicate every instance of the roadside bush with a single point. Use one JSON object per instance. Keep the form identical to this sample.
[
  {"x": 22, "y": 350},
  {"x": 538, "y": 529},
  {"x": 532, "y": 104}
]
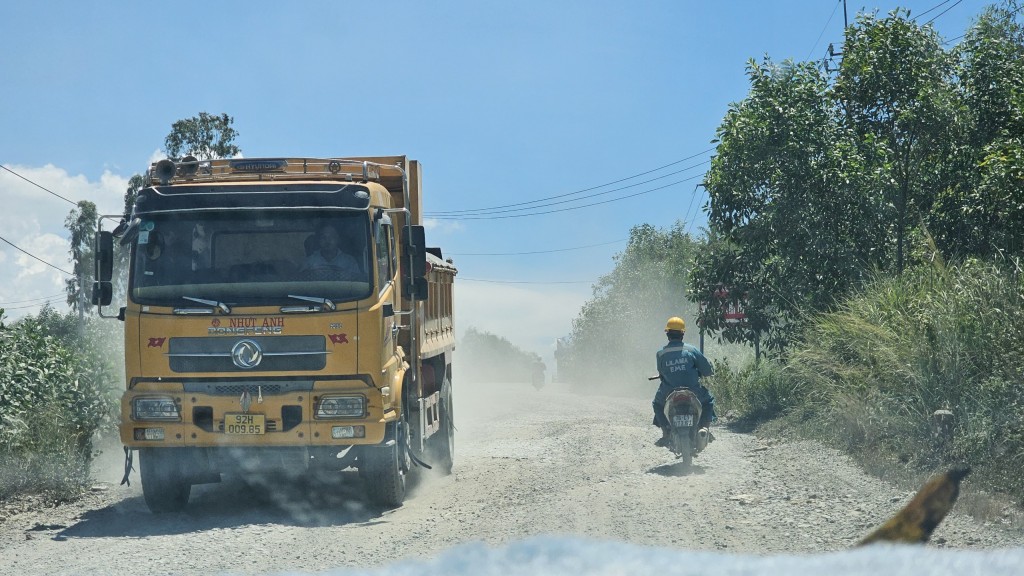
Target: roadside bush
[
  {"x": 871, "y": 373},
  {"x": 756, "y": 392},
  {"x": 55, "y": 395}
]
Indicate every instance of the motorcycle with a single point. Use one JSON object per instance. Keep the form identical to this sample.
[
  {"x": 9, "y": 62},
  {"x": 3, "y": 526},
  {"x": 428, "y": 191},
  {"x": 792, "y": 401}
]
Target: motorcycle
[{"x": 683, "y": 412}]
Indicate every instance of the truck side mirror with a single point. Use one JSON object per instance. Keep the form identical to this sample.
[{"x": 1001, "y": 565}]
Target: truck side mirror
[
  {"x": 103, "y": 288},
  {"x": 414, "y": 245},
  {"x": 419, "y": 289},
  {"x": 102, "y": 293},
  {"x": 414, "y": 249}
]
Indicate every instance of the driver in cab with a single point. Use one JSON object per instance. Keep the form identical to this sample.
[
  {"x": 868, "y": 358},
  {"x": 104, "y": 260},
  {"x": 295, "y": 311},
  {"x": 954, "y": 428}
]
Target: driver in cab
[{"x": 329, "y": 259}]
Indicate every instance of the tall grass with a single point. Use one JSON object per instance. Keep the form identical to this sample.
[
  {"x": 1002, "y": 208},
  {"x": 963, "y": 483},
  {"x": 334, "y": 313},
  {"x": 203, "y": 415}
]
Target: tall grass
[{"x": 870, "y": 374}]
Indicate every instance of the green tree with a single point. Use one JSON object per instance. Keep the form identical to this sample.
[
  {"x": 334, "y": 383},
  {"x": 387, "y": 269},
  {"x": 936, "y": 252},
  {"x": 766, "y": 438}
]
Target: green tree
[
  {"x": 792, "y": 224},
  {"x": 135, "y": 183},
  {"x": 205, "y": 136},
  {"x": 982, "y": 212},
  {"x": 81, "y": 224},
  {"x": 895, "y": 87},
  {"x": 486, "y": 357},
  {"x": 616, "y": 331}
]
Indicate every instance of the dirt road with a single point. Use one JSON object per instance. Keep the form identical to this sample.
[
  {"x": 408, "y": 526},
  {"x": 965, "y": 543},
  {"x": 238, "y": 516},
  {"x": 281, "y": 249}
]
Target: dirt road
[{"x": 527, "y": 463}]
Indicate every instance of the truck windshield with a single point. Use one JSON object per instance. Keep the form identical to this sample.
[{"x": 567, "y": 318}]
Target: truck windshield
[{"x": 250, "y": 257}]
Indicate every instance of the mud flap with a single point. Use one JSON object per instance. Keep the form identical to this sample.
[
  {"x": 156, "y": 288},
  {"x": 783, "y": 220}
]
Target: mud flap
[{"x": 127, "y": 467}]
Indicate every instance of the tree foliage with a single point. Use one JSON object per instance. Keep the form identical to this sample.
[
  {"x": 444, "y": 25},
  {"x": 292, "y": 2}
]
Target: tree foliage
[
  {"x": 895, "y": 86},
  {"x": 981, "y": 212},
  {"x": 617, "y": 331},
  {"x": 81, "y": 224},
  {"x": 205, "y": 136},
  {"x": 909, "y": 153},
  {"x": 486, "y": 357},
  {"x": 788, "y": 176}
]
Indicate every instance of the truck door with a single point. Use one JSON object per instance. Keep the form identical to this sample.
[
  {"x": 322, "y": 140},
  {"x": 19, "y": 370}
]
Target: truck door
[{"x": 384, "y": 247}]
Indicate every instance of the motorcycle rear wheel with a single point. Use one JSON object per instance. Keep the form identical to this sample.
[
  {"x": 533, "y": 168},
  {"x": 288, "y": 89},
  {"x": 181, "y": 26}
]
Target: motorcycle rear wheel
[{"x": 684, "y": 447}]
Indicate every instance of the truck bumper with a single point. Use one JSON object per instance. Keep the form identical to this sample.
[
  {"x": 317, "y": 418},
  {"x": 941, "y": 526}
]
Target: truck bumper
[{"x": 268, "y": 420}]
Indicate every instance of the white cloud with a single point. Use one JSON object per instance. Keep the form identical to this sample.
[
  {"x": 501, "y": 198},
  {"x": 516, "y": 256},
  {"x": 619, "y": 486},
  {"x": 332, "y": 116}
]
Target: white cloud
[
  {"x": 33, "y": 220},
  {"x": 442, "y": 226},
  {"x": 155, "y": 157}
]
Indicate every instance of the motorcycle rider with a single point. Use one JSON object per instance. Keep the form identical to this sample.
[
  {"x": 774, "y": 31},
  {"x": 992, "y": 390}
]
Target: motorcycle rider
[{"x": 681, "y": 365}]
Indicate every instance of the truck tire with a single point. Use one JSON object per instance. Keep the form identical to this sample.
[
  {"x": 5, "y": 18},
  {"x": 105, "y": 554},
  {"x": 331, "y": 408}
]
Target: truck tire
[
  {"x": 164, "y": 485},
  {"x": 444, "y": 439},
  {"x": 385, "y": 470}
]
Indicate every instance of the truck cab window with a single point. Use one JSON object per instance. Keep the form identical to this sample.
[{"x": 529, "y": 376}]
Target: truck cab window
[{"x": 384, "y": 243}]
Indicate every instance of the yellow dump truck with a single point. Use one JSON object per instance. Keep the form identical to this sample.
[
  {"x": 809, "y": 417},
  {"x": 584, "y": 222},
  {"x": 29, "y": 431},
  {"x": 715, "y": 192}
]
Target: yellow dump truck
[{"x": 283, "y": 314}]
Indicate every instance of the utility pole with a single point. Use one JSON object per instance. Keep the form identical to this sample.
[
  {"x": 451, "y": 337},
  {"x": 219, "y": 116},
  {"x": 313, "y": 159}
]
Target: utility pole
[
  {"x": 81, "y": 303},
  {"x": 831, "y": 48}
]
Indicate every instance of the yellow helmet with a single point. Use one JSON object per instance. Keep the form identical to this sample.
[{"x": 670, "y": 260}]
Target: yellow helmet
[{"x": 675, "y": 323}]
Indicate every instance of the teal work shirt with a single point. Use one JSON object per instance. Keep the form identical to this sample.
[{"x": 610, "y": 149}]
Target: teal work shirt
[{"x": 681, "y": 365}]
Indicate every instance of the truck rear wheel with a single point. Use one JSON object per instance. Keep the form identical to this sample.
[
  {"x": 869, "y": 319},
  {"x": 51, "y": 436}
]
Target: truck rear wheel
[
  {"x": 385, "y": 470},
  {"x": 164, "y": 484}
]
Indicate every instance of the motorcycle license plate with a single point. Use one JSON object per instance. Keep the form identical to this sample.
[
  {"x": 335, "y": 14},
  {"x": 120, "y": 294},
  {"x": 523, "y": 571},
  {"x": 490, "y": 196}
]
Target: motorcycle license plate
[
  {"x": 245, "y": 424},
  {"x": 682, "y": 420}
]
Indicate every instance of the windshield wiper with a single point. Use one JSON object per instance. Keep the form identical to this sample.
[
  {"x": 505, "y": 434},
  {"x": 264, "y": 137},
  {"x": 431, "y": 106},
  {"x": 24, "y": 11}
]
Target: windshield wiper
[
  {"x": 224, "y": 308},
  {"x": 325, "y": 302}
]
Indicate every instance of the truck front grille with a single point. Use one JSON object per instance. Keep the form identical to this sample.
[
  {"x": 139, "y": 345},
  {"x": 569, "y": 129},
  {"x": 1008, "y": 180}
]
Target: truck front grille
[{"x": 280, "y": 354}]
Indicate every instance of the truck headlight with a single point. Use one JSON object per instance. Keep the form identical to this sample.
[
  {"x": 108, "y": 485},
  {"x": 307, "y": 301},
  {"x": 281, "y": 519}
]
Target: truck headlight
[
  {"x": 341, "y": 407},
  {"x": 155, "y": 408}
]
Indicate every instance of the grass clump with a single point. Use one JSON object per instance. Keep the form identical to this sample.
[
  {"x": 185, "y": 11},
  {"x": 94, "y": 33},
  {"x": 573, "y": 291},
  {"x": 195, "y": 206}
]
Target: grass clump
[{"x": 870, "y": 374}]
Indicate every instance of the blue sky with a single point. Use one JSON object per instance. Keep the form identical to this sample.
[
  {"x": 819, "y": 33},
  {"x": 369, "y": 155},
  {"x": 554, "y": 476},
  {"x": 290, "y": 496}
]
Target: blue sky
[{"x": 503, "y": 102}]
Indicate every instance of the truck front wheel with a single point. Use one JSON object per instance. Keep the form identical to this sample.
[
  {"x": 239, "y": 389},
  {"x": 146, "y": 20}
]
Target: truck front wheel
[
  {"x": 164, "y": 484},
  {"x": 385, "y": 469}
]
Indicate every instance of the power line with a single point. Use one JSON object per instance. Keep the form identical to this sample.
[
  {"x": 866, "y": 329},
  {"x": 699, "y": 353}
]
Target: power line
[
  {"x": 537, "y": 251},
  {"x": 955, "y": 4},
  {"x": 493, "y": 208},
  {"x": 485, "y": 217},
  {"x": 36, "y": 257},
  {"x": 933, "y": 8},
  {"x": 690, "y": 219},
  {"x": 38, "y": 185},
  {"x": 823, "y": 29},
  {"x": 50, "y": 297},
  {"x": 492, "y": 212},
  {"x": 951, "y": 40},
  {"x": 31, "y": 305}
]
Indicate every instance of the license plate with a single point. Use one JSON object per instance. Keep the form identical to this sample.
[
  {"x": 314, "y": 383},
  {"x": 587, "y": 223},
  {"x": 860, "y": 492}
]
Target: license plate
[
  {"x": 247, "y": 424},
  {"x": 682, "y": 420}
]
